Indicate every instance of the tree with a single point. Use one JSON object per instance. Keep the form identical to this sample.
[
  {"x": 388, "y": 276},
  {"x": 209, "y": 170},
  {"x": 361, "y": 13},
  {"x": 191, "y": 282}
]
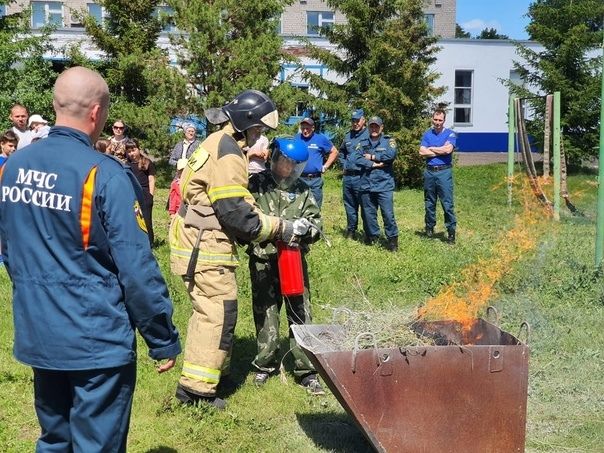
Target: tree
[
  {"x": 385, "y": 55},
  {"x": 570, "y": 62},
  {"x": 460, "y": 32},
  {"x": 26, "y": 78},
  {"x": 146, "y": 91},
  {"x": 228, "y": 46},
  {"x": 491, "y": 33}
]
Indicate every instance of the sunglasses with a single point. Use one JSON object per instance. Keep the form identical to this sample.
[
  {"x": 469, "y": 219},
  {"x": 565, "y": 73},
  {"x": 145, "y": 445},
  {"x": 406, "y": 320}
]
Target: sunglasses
[{"x": 119, "y": 127}]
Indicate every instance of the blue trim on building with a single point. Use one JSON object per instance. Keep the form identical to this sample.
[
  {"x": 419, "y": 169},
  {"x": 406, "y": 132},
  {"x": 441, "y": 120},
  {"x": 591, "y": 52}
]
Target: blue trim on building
[{"x": 496, "y": 142}]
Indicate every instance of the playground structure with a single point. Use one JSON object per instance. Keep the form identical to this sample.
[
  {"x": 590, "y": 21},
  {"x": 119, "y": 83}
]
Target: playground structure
[{"x": 518, "y": 141}]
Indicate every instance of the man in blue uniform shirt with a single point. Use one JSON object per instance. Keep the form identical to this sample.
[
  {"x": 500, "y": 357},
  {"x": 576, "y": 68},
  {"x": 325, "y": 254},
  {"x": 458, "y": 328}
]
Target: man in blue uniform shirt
[
  {"x": 437, "y": 147},
  {"x": 83, "y": 275},
  {"x": 351, "y": 194},
  {"x": 375, "y": 156},
  {"x": 322, "y": 155}
]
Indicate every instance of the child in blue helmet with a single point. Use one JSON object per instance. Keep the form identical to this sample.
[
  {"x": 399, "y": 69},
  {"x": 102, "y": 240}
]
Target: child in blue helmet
[{"x": 279, "y": 192}]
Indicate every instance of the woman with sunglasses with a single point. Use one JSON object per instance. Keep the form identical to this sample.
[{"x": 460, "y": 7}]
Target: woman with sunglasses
[{"x": 118, "y": 141}]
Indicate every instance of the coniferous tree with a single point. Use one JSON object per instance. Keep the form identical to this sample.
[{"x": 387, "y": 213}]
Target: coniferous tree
[
  {"x": 385, "y": 54},
  {"x": 228, "y": 46},
  {"x": 26, "y": 78},
  {"x": 491, "y": 33},
  {"x": 460, "y": 32},
  {"x": 146, "y": 91},
  {"x": 570, "y": 62}
]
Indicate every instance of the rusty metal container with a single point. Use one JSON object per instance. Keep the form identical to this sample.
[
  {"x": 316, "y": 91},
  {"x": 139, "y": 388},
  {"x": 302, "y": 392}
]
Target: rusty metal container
[{"x": 467, "y": 393}]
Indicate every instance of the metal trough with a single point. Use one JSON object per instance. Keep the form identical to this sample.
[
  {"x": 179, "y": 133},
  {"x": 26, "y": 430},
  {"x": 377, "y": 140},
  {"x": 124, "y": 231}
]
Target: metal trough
[{"x": 466, "y": 394}]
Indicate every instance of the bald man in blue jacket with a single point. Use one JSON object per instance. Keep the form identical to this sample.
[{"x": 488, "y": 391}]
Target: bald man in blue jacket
[{"x": 83, "y": 275}]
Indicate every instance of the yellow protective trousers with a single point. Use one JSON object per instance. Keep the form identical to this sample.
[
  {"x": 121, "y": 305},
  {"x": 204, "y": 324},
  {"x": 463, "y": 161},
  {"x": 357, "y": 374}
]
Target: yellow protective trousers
[{"x": 211, "y": 329}]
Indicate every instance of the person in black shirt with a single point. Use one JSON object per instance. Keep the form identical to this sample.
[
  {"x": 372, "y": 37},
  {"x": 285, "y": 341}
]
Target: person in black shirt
[{"x": 144, "y": 171}]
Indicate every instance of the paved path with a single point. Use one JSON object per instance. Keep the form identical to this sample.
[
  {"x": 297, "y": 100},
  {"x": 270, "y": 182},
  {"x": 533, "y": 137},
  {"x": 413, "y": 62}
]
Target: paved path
[{"x": 465, "y": 159}]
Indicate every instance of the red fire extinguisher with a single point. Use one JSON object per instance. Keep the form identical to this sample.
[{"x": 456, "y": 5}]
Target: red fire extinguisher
[{"x": 290, "y": 269}]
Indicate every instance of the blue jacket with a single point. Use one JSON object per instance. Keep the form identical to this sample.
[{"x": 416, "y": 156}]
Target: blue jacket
[
  {"x": 376, "y": 179},
  {"x": 76, "y": 250},
  {"x": 351, "y": 139}
]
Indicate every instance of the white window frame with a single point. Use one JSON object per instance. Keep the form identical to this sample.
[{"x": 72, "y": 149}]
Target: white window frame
[
  {"x": 321, "y": 21},
  {"x": 463, "y": 105},
  {"x": 48, "y": 11}
]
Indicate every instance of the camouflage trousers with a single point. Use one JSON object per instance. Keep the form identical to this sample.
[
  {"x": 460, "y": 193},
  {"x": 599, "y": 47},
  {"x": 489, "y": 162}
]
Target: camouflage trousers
[{"x": 267, "y": 301}]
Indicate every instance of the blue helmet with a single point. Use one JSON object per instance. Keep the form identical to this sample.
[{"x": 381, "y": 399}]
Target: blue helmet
[
  {"x": 288, "y": 159},
  {"x": 291, "y": 148}
]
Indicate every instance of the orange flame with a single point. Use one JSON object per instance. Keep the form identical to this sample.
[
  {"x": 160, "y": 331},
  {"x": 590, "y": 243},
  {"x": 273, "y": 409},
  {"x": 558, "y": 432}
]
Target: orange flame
[{"x": 463, "y": 300}]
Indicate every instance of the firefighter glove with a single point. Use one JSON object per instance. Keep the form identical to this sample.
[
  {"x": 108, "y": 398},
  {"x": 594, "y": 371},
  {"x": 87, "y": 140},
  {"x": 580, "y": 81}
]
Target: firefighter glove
[
  {"x": 301, "y": 226},
  {"x": 287, "y": 233}
]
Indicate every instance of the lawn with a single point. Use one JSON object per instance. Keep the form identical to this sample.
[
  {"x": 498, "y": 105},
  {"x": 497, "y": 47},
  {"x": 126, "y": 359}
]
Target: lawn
[{"x": 544, "y": 275}]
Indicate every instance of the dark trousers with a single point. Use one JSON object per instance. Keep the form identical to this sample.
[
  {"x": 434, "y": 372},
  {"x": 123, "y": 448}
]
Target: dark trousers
[
  {"x": 351, "y": 195},
  {"x": 266, "y": 302},
  {"x": 84, "y": 411},
  {"x": 439, "y": 185},
  {"x": 316, "y": 187},
  {"x": 147, "y": 209},
  {"x": 370, "y": 203}
]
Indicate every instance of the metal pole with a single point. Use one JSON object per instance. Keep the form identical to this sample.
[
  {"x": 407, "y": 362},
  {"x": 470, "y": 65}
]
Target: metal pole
[
  {"x": 600, "y": 216},
  {"x": 511, "y": 143},
  {"x": 557, "y": 155}
]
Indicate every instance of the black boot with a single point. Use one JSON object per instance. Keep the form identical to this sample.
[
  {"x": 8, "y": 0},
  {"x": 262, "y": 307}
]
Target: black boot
[
  {"x": 451, "y": 237},
  {"x": 370, "y": 240},
  {"x": 349, "y": 234},
  {"x": 392, "y": 244},
  {"x": 189, "y": 398},
  {"x": 429, "y": 232}
]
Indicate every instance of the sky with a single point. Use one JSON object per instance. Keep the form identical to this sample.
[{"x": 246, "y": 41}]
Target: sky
[{"x": 504, "y": 15}]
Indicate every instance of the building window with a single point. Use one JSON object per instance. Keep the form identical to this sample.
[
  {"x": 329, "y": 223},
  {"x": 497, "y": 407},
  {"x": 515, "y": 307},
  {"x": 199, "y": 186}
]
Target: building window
[
  {"x": 166, "y": 12},
  {"x": 2, "y": 10},
  {"x": 429, "y": 18},
  {"x": 317, "y": 19},
  {"x": 279, "y": 28},
  {"x": 46, "y": 13},
  {"x": 97, "y": 12},
  {"x": 462, "y": 102}
]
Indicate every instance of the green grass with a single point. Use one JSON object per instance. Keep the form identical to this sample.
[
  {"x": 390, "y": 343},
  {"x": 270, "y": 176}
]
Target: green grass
[{"x": 554, "y": 288}]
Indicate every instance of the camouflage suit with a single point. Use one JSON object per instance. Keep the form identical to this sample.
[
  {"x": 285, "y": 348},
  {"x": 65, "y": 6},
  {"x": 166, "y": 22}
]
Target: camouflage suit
[
  {"x": 216, "y": 202},
  {"x": 293, "y": 203}
]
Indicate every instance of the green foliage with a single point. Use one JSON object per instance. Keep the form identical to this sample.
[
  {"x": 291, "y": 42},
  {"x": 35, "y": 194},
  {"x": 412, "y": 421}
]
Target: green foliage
[
  {"x": 571, "y": 34},
  {"x": 228, "y": 46},
  {"x": 385, "y": 54},
  {"x": 491, "y": 33},
  {"x": 25, "y": 78},
  {"x": 460, "y": 32},
  {"x": 146, "y": 91}
]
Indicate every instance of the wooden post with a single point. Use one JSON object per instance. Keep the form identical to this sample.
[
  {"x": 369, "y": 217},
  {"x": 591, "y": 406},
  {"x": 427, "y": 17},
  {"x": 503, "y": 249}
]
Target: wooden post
[
  {"x": 557, "y": 155},
  {"x": 511, "y": 142},
  {"x": 549, "y": 99}
]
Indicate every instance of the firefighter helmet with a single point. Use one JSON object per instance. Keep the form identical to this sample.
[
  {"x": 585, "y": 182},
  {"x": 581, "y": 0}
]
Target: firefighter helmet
[{"x": 252, "y": 108}]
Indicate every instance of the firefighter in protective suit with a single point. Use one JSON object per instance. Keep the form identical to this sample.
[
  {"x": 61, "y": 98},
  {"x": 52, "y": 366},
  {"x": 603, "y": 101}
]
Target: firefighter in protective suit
[{"x": 217, "y": 210}]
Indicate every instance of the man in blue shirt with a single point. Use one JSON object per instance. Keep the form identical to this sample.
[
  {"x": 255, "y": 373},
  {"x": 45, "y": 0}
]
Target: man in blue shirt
[
  {"x": 321, "y": 155},
  {"x": 352, "y": 172},
  {"x": 437, "y": 147}
]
